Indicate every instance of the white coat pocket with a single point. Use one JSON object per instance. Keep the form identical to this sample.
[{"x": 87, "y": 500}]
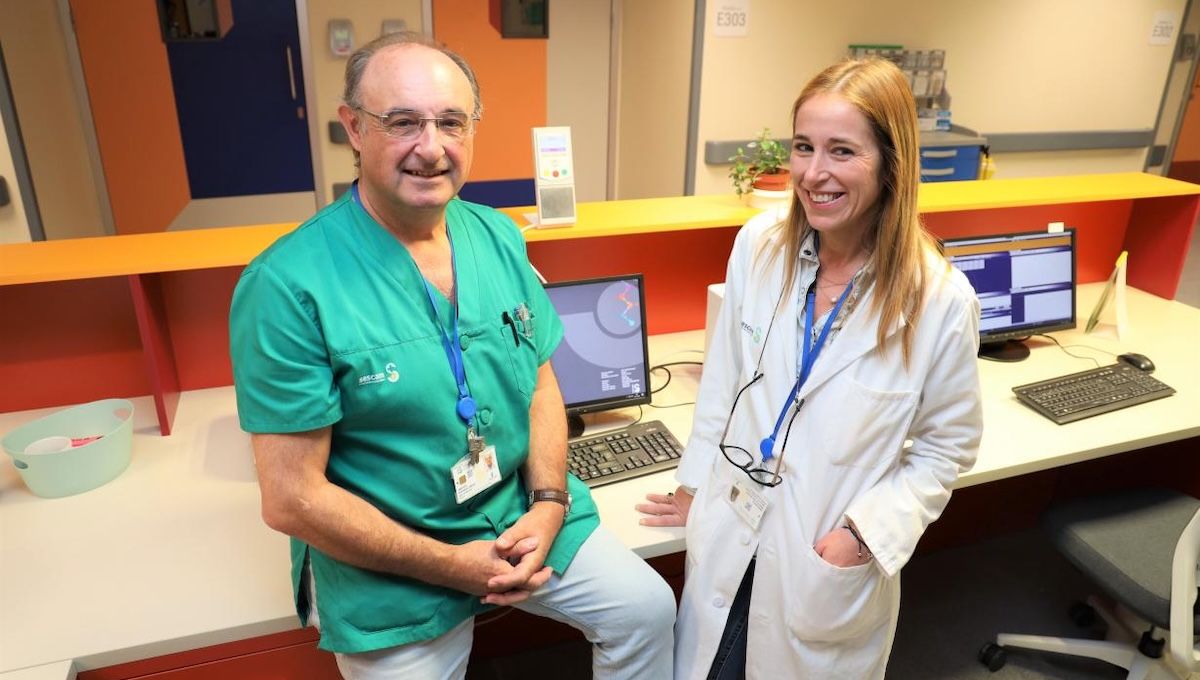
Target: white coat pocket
[
  {"x": 875, "y": 432},
  {"x": 828, "y": 604},
  {"x": 702, "y": 521}
]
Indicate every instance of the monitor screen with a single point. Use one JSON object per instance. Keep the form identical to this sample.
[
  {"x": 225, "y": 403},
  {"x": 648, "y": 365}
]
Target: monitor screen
[
  {"x": 1025, "y": 284},
  {"x": 601, "y": 362}
]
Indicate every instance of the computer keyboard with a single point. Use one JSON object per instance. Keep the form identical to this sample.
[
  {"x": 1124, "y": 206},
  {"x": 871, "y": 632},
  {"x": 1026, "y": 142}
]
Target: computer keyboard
[
  {"x": 1072, "y": 397},
  {"x": 632, "y": 451}
]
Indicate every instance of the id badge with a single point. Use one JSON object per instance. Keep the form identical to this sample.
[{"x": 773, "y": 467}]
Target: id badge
[
  {"x": 748, "y": 502},
  {"x": 471, "y": 478}
]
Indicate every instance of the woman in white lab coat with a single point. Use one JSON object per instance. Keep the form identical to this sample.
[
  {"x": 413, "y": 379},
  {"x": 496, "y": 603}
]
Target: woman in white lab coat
[{"x": 838, "y": 405}]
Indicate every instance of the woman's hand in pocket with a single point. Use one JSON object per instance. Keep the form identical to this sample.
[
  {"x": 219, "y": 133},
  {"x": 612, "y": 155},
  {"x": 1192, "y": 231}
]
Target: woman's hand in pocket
[
  {"x": 841, "y": 549},
  {"x": 670, "y": 510}
]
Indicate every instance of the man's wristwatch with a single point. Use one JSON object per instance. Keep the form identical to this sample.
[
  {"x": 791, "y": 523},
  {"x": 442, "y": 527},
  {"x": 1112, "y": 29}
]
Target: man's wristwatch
[{"x": 553, "y": 495}]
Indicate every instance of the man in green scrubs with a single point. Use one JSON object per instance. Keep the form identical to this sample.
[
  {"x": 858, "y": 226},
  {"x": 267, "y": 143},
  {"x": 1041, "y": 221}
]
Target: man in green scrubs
[{"x": 391, "y": 360}]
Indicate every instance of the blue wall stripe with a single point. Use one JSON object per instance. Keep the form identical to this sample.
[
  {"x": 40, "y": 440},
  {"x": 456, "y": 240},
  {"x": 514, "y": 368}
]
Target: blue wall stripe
[{"x": 500, "y": 193}]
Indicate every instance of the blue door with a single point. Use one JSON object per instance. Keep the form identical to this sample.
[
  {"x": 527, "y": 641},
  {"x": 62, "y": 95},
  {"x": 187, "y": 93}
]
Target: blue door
[{"x": 241, "y": 105}]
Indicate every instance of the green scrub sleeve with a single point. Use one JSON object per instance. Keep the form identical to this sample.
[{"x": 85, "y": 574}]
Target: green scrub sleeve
[{"x": 281, "y": 369}]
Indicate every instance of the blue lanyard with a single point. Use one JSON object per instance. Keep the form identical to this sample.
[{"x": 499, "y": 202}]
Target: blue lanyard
[
  {"x": 810, "y": 352},
  {"x": 466, "y": 405},
  {"x": 450, "y": 343}
]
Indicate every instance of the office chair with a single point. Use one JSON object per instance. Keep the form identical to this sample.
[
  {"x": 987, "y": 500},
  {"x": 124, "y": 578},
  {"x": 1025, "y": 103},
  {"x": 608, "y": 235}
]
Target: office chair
[{"x": 1141, "y": 547}]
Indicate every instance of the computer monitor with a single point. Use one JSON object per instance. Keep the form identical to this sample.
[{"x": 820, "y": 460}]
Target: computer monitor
[
  {"x": 602, "y": 361},
  {"x": 1025, "y": 284}
]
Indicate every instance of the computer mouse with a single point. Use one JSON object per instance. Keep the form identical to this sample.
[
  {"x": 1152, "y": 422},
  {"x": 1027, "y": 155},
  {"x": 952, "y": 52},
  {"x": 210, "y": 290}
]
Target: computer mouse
[{"x": 1138, "y": 361}]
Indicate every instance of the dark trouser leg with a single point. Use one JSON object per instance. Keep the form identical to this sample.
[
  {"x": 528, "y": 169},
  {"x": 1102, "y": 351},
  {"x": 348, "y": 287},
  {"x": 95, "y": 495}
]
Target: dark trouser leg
[{"x": 730, "y": 663}]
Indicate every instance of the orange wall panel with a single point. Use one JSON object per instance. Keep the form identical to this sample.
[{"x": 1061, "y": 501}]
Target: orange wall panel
[
  {"x": 1099, "y": 238},
  {"x": 512, "y": 83},
  {"x": 198, "y": 313},
  {"x": 1187, "y": 147},
  {"x": 68, "y": 342},
  {"x": 133, "y": 107},
  {"x": 678, "y": 268}
]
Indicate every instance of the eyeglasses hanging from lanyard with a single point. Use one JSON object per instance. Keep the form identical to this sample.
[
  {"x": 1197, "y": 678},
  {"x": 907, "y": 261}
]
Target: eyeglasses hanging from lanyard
[
  {"x": 809, "y": 357},
  {"x": 810, "y": 350}
]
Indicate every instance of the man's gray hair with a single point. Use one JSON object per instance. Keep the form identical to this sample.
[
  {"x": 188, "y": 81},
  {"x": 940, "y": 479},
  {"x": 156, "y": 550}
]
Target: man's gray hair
[{"x": 357, "y": 64}]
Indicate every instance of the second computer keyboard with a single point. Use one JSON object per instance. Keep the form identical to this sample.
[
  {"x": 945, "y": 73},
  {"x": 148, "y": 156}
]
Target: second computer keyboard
[
  {"x": 632, "y": 451},
  {"x": 1072, "y": 397}
]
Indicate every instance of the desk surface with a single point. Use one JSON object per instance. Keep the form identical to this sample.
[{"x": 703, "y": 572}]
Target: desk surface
[{"x": 172, "y": 555}]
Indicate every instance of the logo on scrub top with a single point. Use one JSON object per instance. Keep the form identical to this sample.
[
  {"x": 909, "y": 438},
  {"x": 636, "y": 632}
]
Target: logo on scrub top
[
  {"x": 755, "y": 332},
  {"x": 389, "y": 373}
]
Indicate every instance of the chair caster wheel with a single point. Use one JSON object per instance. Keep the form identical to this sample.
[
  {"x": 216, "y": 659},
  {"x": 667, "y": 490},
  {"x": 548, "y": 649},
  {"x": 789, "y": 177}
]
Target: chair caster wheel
[
  {"x": 1151, "y": 646},
  {"x": 1082, "y": 615},
  {"x": 993, "y": 656}
]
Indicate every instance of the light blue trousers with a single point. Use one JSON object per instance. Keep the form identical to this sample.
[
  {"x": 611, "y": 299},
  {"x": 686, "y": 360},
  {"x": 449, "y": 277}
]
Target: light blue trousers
[{"x": 622, "y": 606}]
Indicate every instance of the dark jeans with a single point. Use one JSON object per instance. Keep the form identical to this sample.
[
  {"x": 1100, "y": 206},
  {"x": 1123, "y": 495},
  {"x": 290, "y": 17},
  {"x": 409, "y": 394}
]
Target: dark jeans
[{"x": 730, "y": 662}]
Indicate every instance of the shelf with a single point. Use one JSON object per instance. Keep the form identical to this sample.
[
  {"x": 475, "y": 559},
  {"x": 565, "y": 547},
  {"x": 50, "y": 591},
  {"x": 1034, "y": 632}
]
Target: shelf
[
  {"x": 1029, "y": 191},
  {"x": 235, "y": 246},
  {"x": 642, "y": 216},
  {"x": 91, "y": 258}
]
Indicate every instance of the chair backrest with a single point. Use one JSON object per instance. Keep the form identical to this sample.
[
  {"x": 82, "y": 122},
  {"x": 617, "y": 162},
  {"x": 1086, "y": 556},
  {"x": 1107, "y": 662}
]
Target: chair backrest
[{"x": 1183, "y": 596}]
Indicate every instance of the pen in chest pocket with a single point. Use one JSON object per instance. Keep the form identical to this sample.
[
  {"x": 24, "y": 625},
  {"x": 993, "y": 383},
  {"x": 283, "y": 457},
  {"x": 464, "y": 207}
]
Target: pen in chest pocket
[{"x": 507, "y": 319}]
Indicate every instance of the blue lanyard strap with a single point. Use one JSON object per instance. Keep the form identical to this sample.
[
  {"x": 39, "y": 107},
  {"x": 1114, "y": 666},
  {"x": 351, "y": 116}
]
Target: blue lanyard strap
[
  {"x": 450, "y": 343},
  {"x": 810, "y": 352}
]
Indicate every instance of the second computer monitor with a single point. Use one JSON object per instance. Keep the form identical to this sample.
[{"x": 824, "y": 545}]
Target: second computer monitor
[
  {"x": 1025, "y": 284},
  {"x": 602, "y": 360}
]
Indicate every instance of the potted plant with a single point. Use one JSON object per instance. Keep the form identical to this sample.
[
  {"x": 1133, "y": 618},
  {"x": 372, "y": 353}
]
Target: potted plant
[{"x": 762, "y": 165}]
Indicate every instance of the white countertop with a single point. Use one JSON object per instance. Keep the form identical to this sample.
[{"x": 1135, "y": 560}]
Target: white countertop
[
  {"x": 173, "y": 555},
  {"x": 60, "y": 670},
  {"x": 1017, "y": 441},
  {"x": 169, "y": 556}
]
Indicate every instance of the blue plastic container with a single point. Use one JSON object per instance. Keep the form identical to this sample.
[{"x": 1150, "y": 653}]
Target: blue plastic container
[{"x": 81, "y": 468}]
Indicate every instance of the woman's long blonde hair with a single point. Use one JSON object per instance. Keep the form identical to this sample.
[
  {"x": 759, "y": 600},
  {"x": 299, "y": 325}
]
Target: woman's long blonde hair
[{"x": 897, "y": 242}]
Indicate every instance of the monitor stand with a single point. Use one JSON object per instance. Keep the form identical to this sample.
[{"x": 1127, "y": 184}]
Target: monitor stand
[
  {"x": 1005, "y": 350},
  {"x": 575, "y": 425}
]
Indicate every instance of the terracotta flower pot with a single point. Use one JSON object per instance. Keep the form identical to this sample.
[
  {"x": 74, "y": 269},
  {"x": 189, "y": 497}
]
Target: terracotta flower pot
[{"x": 776, "y": 181}]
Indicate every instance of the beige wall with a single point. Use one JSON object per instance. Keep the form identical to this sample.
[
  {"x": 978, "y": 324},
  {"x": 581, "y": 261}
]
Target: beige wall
[
  {"x": 328, "y": 76},
  {"x": 1014, "y": 66},
  {"x": 1085, "y": 162},
  {"x": 51, "y": 127},
  {"x": 654, "y": 83},
  {"x": 577, "y": 86}
]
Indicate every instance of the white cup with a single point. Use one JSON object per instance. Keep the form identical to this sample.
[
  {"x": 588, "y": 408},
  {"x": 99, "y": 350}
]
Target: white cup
[{"x": 48, "y": 445}]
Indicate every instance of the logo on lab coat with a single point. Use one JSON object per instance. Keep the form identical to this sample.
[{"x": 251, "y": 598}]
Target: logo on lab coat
[{"x": 755, "y": 332}]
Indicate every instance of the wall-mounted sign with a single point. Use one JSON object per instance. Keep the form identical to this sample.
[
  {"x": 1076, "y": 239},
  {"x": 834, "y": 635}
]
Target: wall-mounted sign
[
  {"x": 1162, "y": 30},
  {"x": 341, "y": 37},
  {"x": 731, "y": 18}
]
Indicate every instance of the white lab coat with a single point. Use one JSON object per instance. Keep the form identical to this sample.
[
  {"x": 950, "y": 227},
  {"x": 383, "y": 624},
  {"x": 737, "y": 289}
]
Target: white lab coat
[{"x": 846, "y": 458}]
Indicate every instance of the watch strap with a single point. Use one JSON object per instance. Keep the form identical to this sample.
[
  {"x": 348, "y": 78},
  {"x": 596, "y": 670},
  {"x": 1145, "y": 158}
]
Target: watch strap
[{"x": 553, "y": 495}]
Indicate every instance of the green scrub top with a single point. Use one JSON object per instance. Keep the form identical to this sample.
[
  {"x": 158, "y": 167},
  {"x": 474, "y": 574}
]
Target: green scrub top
[{"x": 332, "y": 326}]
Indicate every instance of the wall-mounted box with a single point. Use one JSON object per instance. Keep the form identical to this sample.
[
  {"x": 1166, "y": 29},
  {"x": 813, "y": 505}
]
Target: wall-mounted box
[
  {"x": 524, "y": 18},
  {"x": 191, "y": 20}
]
